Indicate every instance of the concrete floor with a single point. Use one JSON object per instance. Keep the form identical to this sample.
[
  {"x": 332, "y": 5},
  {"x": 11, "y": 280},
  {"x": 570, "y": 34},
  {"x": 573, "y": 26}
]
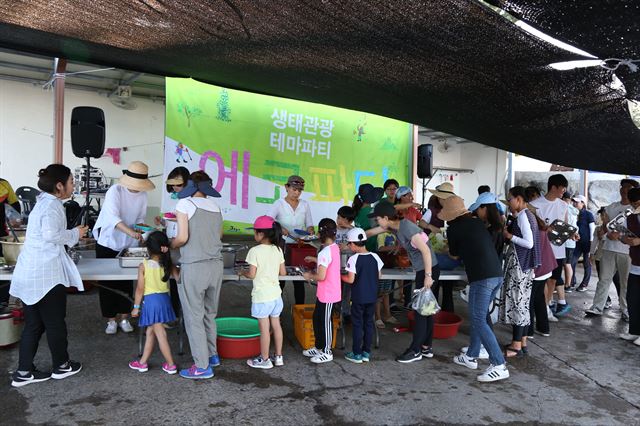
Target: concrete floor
[{"x": 582, "y": 374}]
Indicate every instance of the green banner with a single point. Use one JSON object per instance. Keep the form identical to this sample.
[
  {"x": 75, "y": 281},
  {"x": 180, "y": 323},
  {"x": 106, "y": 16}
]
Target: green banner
[{"x": 249, "y": 144}]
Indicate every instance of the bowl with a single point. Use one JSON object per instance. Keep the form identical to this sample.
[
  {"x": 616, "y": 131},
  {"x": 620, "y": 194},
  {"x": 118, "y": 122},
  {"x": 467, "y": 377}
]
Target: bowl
[
  {"x": 446, "y": 324},
  {"x": 10, "y": 249},
  {"x": 238, "y": 337}
]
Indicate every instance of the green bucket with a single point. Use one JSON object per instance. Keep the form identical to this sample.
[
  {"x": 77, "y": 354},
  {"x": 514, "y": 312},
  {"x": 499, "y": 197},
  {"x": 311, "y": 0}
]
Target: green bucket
[{"x": 238, "y": 328}]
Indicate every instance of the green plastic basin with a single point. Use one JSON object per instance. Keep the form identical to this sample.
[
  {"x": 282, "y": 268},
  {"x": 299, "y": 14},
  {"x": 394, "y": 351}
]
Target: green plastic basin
[{"x": 238, "y": 328}]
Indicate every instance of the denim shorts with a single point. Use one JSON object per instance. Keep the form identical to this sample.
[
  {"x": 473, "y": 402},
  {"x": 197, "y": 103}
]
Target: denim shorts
[{"x": 272, "y": 308}]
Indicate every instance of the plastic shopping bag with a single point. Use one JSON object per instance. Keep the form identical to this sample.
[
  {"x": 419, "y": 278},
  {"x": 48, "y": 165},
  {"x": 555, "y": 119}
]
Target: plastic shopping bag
[{"x": 424, "y": 302}]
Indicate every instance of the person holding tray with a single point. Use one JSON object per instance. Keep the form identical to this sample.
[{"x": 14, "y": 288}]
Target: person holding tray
[
  {"x": 125, "y": 204},
  {"x": 42, "y": 275}
]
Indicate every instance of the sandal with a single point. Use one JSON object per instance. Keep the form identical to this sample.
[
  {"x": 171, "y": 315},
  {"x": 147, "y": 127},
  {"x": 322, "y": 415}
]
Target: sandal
[
  {"x": 379, "y": 324},
  {"x": 516, "y": 353}
]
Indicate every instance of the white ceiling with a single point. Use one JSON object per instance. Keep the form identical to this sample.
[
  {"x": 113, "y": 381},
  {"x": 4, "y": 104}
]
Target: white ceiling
[{"x": 38, "y": 70}]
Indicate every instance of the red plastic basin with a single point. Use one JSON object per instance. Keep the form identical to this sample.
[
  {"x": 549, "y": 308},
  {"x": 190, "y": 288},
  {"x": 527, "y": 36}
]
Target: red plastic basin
[
  {"x": 446, "y": 324},
  {"x": 230, "y": 348}
]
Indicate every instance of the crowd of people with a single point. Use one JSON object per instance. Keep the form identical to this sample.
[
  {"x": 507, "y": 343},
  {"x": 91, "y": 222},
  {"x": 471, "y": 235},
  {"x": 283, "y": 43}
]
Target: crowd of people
[{"x": 503, "y": 245}]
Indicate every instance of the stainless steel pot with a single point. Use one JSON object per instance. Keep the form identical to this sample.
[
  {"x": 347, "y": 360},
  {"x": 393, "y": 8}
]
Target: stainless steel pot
[{"x": 229, "y": 252}]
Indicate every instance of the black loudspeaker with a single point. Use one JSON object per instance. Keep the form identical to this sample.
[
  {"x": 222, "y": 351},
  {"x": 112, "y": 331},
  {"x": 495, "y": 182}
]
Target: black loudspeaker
[
  {"x": 425, "y": 161},
  {"x": 87, "y": 132}
]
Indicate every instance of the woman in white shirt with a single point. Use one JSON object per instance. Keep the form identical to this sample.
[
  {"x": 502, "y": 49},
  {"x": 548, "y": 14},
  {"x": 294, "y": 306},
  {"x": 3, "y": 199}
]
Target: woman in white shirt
[
  {"x": 293, "y": 213},
  {"x": 42, "y": 274},
  {"x": 125, "y": 204}
]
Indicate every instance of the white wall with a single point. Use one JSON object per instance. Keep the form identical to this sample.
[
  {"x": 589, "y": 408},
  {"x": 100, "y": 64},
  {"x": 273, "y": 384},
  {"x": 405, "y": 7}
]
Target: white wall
[
  {"x": 489, "y": 166},
  {"x": 26, "y": 133}
]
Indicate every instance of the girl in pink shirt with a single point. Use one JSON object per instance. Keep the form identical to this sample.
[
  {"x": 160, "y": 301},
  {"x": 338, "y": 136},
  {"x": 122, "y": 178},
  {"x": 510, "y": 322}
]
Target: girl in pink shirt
[{"x": 329, "y": 292}]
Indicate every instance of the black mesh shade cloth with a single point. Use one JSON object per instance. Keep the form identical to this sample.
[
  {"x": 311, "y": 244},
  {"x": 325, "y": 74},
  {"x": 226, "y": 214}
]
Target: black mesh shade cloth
[{"x": 451, "y": 65}]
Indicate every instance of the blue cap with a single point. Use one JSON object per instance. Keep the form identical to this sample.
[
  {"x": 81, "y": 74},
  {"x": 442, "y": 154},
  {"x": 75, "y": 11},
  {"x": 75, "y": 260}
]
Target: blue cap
[
  {"x": 403, "y": 190},
  {"x": 485, "y": 198},
  {"x": 191, "y": 188}
]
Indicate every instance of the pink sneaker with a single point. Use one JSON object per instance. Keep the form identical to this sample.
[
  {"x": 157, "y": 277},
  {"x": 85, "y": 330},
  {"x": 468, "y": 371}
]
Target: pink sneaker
[
  {"x": 137, "y": 365},
  {"x": 169, "y": 369}
]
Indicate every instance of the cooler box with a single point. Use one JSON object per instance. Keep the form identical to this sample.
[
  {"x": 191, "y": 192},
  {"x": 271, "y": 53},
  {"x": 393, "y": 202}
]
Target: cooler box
[
  {"x": 303, "y": 326},
  {"x": 296, "y": 255},
  {"x": 11, "y": 326}
]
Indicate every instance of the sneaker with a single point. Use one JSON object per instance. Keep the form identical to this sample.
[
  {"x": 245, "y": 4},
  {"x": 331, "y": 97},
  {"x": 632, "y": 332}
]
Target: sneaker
[
  {"x": 409, "y": 356},
  {"x": 214, "y": 360},
  {"x": 355, "y": 358},
  {"x": 311, "y": 352},
  {"x": 568, "y": 289},
  {"x": 169, "y": 369},
  {"x": 482, "y": 355},
  {"x": 581, "y": 288},
  {"x": 629, "y": 337},
  {"x": 125, "y": 326},
  {"x": 277, "y": 360},
  {"x": 607, "y": 305},
  {"x": 194, "y": 372},
  {"x": 258, "y": 362},
  {"x": 137, "y": 365},
  {"x": 112, "y": 327},
  {"x": 366, "y": 356},
  {"x": 427, "y": 352},
  {"x": 550, "y": 315},
  {"x": 67, "y": 369},
  {"x": 463, "y": 359},
  {"x": 322, "y": 358},
  {"x": 562, "y": 309},
  {"x": 543, "y": 333},
  {"x": 494, "y": 373},
  {"x": 593, "y": 311},
  {"x": 380, "y": 324},
  {"x": 35, "y": 376}
]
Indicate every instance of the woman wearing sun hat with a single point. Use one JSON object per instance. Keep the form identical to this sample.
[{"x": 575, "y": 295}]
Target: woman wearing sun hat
[
  {"x": 199, "y": 240},
  {"x": 469, "y": 240},
  {"x": 125, "y": 204}
]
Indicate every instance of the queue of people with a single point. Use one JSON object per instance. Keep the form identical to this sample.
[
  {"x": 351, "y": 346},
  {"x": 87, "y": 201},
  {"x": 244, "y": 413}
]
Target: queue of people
[{"x": 505, "y": 252}]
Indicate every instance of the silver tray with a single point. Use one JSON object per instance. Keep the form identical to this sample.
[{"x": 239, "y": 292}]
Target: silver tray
[{"x": 132, "y": 257}]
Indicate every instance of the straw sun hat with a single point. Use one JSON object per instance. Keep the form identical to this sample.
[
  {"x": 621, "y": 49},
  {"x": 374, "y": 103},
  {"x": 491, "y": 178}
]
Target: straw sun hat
[
  {"x": 452, "y": 208},
  {"x": 443, "y": 191},
  {"x": 136, "y": 177}
]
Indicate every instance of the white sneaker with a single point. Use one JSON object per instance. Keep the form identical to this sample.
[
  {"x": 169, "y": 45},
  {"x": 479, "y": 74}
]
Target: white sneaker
[
  {"x": 483, "y": 352},
  {"x": 322, "y": 358},
  {"x": 629, "y": 337},
  {"x": 494, "y": 373},
  {"x": 278, "y": 360},
  {"x": 468, "y": 362},
  {"x": 311, "y": 352},
  {"x": 125, "y": 326},
  {"x": 550, "y": 315},
  {"x": 112, "y": 327},
  {"x": 258, "y": 362}
]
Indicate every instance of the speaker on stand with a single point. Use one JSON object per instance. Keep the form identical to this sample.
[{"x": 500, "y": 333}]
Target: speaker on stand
[
  {"x": 87, "y": 140},
  {"x": 425, "y": 167}
]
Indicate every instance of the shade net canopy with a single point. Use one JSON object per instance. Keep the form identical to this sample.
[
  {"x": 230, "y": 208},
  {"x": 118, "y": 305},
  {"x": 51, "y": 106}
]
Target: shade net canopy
[{"x": 452, "y": 65}]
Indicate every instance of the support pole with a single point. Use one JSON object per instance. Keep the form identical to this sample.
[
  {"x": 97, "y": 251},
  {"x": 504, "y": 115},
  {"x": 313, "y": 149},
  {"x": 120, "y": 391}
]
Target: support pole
[{"x": 60, "y": 66}]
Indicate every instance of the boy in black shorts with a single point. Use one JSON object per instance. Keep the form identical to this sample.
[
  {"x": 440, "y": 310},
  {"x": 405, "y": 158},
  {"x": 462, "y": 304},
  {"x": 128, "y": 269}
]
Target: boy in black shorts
[{"x": 363, "y": 272}]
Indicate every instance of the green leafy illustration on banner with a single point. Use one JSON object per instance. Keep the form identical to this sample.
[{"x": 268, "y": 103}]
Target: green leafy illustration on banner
[{"x": 250, "y": 153}]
